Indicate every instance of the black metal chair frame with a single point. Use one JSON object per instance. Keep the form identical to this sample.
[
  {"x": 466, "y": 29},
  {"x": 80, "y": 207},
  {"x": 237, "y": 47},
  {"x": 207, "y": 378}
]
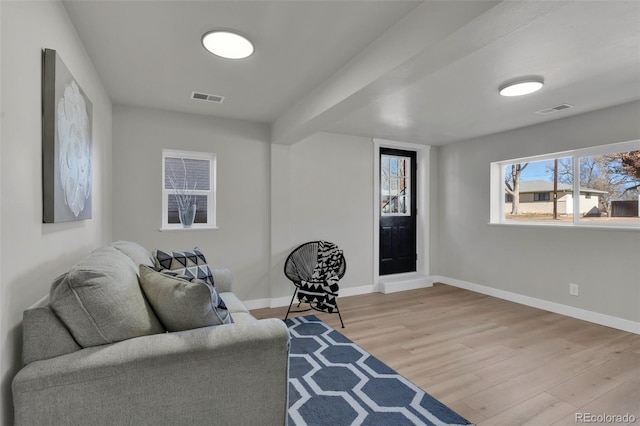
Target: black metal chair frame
[{"x": 292, "y": 272}]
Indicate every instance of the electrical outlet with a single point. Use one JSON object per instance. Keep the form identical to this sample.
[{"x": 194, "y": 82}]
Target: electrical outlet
[{"x": 574, "y": 289}]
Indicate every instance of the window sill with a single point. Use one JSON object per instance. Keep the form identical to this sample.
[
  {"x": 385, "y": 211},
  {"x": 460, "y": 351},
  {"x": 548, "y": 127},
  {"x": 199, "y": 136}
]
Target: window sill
[
  {"x": 566, "y": 226},
  {"x": 193, "y": 228}
]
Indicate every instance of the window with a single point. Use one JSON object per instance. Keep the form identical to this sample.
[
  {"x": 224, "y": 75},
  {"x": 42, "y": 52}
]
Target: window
[
  {"x": 395, "y": 175},
  {"x": 543, "y": 190},
  {"x": 188, "y": 190}
]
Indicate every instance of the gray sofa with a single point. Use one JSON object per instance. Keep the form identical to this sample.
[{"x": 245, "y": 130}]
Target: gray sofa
[{"x": 108, "y": 360}]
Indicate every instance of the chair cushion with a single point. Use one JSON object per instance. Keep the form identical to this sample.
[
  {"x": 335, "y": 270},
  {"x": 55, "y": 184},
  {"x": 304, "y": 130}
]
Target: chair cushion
[
  {"x": 100, "y": 300},
  {"x": 190, "y": 263},
  {"x": 181, "y": 302},
  {"x": 322, "y": 289}
]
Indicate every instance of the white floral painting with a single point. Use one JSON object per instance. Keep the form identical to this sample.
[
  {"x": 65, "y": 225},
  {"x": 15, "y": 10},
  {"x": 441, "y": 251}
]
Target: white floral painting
[{"x": 66, "y": 145}]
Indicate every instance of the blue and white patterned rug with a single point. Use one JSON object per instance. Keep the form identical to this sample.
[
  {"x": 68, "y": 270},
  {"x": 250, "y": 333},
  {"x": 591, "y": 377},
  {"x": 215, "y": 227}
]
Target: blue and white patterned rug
[{"x": 334, "y": 382}]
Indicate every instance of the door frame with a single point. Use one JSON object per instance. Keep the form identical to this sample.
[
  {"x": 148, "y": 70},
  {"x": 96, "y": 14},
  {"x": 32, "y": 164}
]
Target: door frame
[{"x": 419, "y": 278}]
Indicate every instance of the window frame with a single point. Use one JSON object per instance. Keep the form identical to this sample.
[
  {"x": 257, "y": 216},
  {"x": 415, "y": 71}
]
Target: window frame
[
  {"x": 210, "y": 193},
  {"x": 497, "y": 213},
  {"x": 399, "y": 177}
]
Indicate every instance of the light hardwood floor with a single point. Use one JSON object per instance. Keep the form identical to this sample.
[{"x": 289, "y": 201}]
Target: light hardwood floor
[{"x": 495, "y": 362}]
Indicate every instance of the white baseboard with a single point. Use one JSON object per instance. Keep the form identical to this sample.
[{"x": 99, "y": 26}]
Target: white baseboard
[
  {"x": 403, "y": 282},
  {"x": 257, "y": 303},
  {"x": 356, "y": 291},
  {"x": 570, "y": 311}
]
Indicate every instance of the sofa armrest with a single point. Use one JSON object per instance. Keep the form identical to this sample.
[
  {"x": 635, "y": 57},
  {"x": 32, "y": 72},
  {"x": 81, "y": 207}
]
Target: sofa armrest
[
  {"x": 229, "y": 374},
  {"x": 222, "y": 279}
]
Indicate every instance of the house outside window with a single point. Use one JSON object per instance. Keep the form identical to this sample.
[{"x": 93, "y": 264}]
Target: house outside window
[
  {"x": 542, "y": 189},
  {"x": 541, "y": 196},
  {"x": 395, "y": 185},
  {"x": 188, "y": 190}
]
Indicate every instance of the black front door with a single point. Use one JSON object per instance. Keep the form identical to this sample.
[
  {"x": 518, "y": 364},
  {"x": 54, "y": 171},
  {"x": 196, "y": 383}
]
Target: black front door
[{"x": 397, "y": 211}]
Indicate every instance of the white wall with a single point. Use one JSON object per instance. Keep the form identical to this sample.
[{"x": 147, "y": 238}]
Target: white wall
[
  {"x": 331, "y": 197},
  {"x": 5, "y": 361},
  {"x": 33, "y": 253},
  {"x": 537, "y": 262},
  {"x": 270, "y": 197},
  {"x": 243, "y": 189},
  {"x": 282, "y": 219},
  {"x": 434, "y": 231}
]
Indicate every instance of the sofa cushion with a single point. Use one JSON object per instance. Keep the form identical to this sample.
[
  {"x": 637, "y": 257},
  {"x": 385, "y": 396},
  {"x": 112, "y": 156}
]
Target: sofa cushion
[
  {"x": 181, "y": 302},
  {"x": 223, "y": 279},
  {"x": 134, "y": 251},
  {"x": 44, "y": 336},
  {"x": 100, "y": 300},
  {"x": 190, "y": 263}
]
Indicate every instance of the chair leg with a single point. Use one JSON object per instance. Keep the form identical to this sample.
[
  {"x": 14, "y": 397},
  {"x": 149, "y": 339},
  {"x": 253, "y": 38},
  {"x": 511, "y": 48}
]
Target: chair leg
[
  {"x": 292, "y": 298},
  {"x": 339, "y": 316}
]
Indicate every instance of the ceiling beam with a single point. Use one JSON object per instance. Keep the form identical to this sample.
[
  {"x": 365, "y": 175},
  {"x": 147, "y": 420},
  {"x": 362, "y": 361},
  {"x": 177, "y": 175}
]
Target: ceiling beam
[{"x": 425, "y": 41}]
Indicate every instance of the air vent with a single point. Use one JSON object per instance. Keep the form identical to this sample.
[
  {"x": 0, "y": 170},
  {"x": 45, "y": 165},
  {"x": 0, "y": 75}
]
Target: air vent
[
  {"x": 206, "y": 97},
  {"x": 554, "y": 109}
]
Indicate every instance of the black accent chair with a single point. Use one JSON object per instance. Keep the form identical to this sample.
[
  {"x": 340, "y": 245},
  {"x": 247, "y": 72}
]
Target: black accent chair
[{"x": 299, "y": 267}]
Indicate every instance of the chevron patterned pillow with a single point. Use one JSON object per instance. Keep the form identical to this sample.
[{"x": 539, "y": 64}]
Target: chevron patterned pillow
[{"x": 191, "y": 263}]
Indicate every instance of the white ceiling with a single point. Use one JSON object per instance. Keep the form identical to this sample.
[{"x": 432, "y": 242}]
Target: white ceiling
[
  {"x": 425, "y": 72},
  {"x": 148, "y": 53}
]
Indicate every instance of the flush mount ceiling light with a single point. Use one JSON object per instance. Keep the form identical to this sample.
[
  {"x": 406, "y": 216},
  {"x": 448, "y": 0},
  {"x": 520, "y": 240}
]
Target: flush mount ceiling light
[
  {"x": 521, "y": 87},
  {"x": 227, "y": 44}
]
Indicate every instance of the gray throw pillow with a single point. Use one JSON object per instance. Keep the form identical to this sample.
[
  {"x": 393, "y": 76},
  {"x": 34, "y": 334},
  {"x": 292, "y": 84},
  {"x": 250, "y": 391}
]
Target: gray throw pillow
[
  {"x": 181, "y": 302},
  {"x": 100, "y": 301},
  {"x": 134, "y": 251}
]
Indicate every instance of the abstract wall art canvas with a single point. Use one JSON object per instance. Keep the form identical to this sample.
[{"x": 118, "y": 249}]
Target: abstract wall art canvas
[{"x": 67, "y": 118}]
